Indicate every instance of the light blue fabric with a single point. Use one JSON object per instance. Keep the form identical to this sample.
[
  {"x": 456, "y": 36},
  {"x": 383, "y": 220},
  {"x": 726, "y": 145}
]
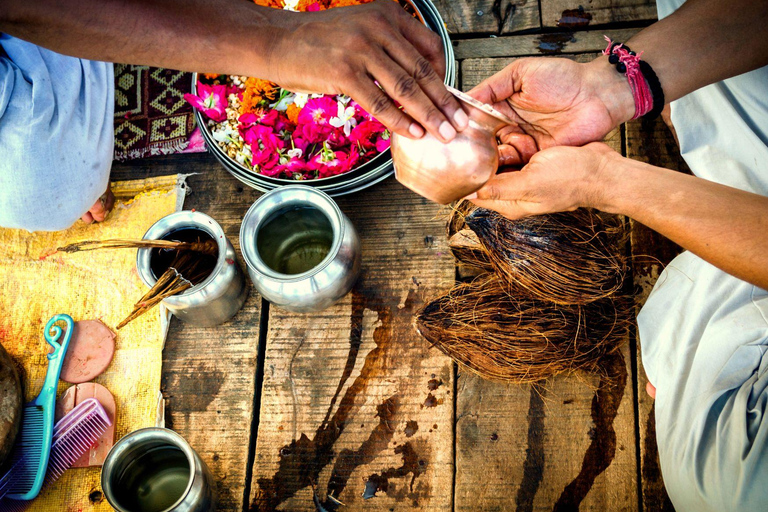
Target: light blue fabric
[
  {"x": 56, "y": 135},
  {"x": 704, "y": 333}
]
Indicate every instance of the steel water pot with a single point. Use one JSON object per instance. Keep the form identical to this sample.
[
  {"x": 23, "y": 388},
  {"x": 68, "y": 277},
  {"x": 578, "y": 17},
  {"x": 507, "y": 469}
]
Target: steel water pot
[
  {"x": 155, "y": 470},
  {"x": 303, "y": 254},
  {"x": 217, "y": 298}
]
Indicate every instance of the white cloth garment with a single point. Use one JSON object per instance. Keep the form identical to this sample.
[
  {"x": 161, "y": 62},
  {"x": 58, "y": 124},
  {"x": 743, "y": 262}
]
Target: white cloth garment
[
  {"x": 704, "y": 333},
  {"x": 56, "y": 135}
]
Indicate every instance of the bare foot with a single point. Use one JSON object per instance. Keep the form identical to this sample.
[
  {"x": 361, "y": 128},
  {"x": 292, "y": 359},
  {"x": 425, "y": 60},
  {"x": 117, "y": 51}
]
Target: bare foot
[
  {"x": 651, "y": 390},
  {"x": 100, "y": 208}
]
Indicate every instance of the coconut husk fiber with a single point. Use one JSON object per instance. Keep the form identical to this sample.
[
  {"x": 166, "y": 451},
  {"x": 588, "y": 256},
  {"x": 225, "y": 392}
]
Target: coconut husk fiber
[
  {"x": 517, "y": 337},
  {"x": 566, "y": 258}
]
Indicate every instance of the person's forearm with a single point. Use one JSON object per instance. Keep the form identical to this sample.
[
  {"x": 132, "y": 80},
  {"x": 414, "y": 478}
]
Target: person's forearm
[
  {"x": 725, "y": 226},
  {"x": 231, "y": 37},
  {"x": 703, "y": 42}
]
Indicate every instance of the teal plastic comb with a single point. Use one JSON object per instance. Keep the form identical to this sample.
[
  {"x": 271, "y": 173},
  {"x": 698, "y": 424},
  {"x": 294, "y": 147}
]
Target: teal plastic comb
[{"x": 33, "y": 447}]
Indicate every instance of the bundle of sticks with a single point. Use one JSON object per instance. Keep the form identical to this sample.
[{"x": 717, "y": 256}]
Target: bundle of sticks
[{"x": 184, "y": 271}]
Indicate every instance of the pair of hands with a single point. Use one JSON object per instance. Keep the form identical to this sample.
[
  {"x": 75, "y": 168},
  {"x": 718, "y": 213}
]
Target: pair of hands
[
  {"x": 560, "y": 107},
  {"x": 349, "y": 50}
]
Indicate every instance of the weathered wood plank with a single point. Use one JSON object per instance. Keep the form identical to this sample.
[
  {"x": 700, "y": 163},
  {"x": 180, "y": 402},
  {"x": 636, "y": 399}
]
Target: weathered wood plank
[
  {"x": 651, "y": 142},
  {"x": 209, "y": 373},
  {"x": 354, "y": 401},
  {"x": 564, "y": 444},
  {"x": 554, "y": 43},
  {"x": 575, "y": 15},
  {"x": 488, "y": 16}
]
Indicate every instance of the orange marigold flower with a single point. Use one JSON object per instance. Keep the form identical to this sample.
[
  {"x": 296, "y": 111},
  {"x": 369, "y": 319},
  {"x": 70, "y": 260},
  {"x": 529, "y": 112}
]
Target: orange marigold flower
[
  {"x": 292, "y": 113},
  {"x": 346, "y": 3},
  {"x": 257, "y": 90},
  {"x": 277, "y": 4},
  {"x": 211, "y": 76}
]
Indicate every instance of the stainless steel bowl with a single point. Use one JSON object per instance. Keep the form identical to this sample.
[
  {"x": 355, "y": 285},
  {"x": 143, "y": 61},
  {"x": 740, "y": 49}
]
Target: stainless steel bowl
[
  {"x": 359, "y": 178},
  {"x": 221, "y": 295},
  {"x": 303, "y": 254}
]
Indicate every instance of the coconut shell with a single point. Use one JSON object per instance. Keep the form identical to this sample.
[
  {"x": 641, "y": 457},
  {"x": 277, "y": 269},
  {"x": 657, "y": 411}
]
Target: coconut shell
[
  {"x": 566, "y": 258},
  {"x": 10, "y": 404},
  {"x": 518, "y": 338}
]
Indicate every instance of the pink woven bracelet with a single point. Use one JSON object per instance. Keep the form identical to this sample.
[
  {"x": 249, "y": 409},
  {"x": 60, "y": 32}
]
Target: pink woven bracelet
[{"x": 641, "y": 92}]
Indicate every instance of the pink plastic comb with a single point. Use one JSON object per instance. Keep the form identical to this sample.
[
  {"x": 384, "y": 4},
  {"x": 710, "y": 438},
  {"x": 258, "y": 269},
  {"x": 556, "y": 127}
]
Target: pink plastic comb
[{"x": 73, "y": 435}]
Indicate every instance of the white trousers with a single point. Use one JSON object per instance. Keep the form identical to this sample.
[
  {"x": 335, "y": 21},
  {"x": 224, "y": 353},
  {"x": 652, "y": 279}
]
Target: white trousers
[
  {"x": 56, "y": 135},
  {"x": 704, "y": 333}
]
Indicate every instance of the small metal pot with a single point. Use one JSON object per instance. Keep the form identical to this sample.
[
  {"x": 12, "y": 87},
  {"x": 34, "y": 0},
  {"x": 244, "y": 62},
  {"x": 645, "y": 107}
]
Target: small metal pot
[
  {"x": 146, "y": 471},
  {"x": 288, "y": 224},
  {"x": 221, "y": 295}
]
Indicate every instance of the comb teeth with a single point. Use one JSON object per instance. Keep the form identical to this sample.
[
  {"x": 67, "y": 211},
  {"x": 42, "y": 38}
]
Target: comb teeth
[
  {"x": 75, "y": 441},
  {"x": 73, "y": 435},
  {"x": 27, "y": 453}
]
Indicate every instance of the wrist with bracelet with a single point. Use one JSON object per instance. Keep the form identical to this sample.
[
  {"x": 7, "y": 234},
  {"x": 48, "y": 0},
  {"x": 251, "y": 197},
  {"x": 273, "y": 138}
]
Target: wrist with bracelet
[{"x": 646, "y": 88}]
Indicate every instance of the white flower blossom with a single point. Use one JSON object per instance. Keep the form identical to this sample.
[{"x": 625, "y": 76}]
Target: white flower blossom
[
  {"x": 345, "y": 118},
  {"x": 300, "y": 99},
  {"x": 295, "y": 153}
]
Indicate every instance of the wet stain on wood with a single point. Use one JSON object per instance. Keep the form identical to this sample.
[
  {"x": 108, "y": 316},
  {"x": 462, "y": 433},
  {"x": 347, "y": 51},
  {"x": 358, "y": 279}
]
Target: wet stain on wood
[
  {"x": 414, "y": 464},
  {"x": 349, "y": 460},
  {"x": 574, "y": 18},
  {"x": 533, "y": 467},
  {"x": 432, "y": 401},
  {"x": 655, "y": 496},
  {"x": 411, "y": 427},
  {"x": 552, "y": 44},
  {"x": 434, "y": 383},
  {"x": 602, "y": 448},
  {"x": 302, "y": 460}
]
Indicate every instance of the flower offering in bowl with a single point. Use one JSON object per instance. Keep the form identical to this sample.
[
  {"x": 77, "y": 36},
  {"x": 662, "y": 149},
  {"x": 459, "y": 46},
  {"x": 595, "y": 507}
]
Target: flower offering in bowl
[{"x": 268, "y": 137}]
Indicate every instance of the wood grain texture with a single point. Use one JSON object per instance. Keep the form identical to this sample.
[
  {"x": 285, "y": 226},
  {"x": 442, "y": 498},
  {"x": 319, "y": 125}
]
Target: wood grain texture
[
  {"x": 209, "y": 373},
  {"x": 565, "y": 444},
  {"x": 570, "y": 14},
  {"x": 488, "y": 16},
  {"x": 552, "y": 43},
  {"x": 654, "y": 143},
  {"x": 354, "y": 401}
]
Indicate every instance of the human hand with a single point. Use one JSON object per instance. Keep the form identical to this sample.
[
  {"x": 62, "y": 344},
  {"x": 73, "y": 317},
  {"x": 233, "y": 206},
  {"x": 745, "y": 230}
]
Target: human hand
[
  {"x": 557, "y": 179},
  {"x": 100, "y": 208},
  {"x": 559, "y": 102},
  {"x": 345, "y": 50}
]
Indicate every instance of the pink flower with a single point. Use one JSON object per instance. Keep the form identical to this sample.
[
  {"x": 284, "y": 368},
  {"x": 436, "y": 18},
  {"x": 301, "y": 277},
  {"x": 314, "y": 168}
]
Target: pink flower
[
  {"x": 334, "y": 163},
  {"x": 313, "y": 7},
  {"x": 295, "y": 166},
  {"x": 265, "y": 146},
  {"x": 382, "y": 144},
  {"x": 367, "y": 134},
  {"x": 265, "y": 117},
  {"x": 318, "y": 111},
  {"x": 211, "y": 101},
  {"x": 361, "y": 113}
]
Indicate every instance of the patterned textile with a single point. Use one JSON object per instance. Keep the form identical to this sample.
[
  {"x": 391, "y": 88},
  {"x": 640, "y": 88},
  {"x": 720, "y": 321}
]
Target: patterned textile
[{"x": 151, "y": 115}]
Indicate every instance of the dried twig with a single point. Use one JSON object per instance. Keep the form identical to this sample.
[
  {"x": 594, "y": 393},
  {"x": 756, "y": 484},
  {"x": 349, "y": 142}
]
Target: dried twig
[{"x": 208, "y": 247}]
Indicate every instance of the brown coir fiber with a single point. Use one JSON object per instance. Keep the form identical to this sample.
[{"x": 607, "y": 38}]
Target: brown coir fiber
[
  {"x": 565, "y": 258},
  {"x": 519, "y": 338}
]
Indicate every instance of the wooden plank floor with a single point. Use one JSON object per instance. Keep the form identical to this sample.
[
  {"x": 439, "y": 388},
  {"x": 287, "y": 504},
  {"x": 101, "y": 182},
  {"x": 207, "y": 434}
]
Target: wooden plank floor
[{"x": 351, "y": 405}]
